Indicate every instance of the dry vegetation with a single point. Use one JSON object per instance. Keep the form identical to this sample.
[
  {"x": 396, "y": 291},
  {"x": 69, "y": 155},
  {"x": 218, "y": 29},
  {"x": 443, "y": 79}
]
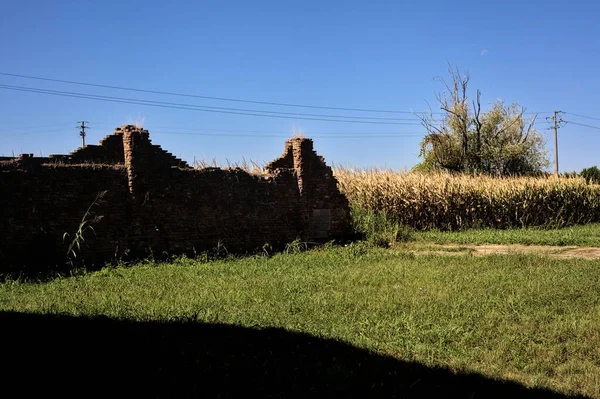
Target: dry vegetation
[
  {"x": 455, "y": 202},
  {"x": 251, "y": 167}
]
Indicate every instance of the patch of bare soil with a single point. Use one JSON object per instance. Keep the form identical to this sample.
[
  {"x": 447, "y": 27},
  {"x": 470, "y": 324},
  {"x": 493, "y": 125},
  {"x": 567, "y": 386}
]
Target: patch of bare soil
[{"x": 561, "y": 252}]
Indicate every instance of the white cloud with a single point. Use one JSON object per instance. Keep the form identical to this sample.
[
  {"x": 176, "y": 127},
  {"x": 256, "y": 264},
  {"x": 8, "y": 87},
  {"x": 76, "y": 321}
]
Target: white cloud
[{"x": 484, "y": 52}]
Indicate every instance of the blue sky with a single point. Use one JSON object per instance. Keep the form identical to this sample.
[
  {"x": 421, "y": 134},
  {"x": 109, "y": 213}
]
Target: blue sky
[{"x": 380, "y": 55}]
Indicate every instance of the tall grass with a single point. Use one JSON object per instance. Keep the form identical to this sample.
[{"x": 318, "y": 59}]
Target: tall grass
[
  {"x": 378, "y": 228},
  {"x": 457, "y": 202}
]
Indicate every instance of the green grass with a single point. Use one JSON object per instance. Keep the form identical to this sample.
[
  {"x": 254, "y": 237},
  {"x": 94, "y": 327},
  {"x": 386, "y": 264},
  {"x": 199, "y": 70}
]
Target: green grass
[
  {"x": 531, "y": 319},
  {"x": 381, "y": 229},
  {"x": 585, "y": 235}
]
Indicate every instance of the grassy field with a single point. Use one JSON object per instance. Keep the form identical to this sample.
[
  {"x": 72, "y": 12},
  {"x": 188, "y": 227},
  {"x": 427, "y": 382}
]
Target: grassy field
[
  {"x": 303, "y": 322},
  {"x": 586, "y": 236},
  {"x": 381, "y": 229}
]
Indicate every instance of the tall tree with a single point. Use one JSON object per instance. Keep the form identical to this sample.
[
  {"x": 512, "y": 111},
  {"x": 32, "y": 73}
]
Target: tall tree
[{"x": 466, "y": 139}]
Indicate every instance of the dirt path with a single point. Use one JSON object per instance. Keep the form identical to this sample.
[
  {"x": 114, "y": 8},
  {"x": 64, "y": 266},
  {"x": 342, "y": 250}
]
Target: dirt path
[{"x": 564, "y": 252}]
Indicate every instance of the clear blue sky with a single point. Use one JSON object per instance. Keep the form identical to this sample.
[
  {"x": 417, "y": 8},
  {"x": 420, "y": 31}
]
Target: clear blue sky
[{"x": 544, "y": 55}]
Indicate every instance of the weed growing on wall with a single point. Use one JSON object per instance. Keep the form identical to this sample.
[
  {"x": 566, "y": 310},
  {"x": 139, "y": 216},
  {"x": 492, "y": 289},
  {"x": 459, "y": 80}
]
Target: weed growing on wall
[{"x": 87, "y": 221}]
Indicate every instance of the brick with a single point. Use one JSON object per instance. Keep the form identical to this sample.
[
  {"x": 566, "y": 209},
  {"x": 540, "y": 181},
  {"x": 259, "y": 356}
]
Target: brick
[{"x": 155, "y": 202}]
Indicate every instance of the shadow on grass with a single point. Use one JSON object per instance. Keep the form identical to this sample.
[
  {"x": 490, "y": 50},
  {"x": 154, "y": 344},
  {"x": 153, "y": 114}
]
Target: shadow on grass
[{"x": 99, "y": 356}]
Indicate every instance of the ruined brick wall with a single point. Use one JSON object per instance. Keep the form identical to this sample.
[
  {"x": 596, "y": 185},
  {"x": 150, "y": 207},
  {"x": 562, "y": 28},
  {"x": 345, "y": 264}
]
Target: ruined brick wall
[
  {"x": 325, "y": 209},
  {"x": 155, "y": 204},
  {"x": 39, "y": 205},
  {"x": 199, "y": 210}
]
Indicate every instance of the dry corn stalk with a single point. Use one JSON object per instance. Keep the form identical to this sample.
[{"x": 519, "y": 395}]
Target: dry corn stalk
[{"x": 455, "y": 202}]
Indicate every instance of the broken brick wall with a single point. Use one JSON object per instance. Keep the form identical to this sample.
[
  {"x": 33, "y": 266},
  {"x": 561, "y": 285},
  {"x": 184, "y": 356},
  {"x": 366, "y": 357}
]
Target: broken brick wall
[
  {"x": 39, "y": 205},
  {"x": 155, "y": 204}
]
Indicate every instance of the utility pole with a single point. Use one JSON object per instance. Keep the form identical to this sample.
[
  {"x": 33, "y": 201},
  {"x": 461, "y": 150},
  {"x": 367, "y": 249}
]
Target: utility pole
[
  {"x": 82, "y": 128},
  {"x": 557, "y": 125}
]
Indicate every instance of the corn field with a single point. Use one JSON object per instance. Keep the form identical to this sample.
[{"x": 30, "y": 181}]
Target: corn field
[{"x": 456, "y": 202}]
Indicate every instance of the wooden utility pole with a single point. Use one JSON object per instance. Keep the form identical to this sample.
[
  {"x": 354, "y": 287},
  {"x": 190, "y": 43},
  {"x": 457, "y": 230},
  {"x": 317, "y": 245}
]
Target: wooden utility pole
[
  {"x": 82, "y": 128},
  {"x": 557, "y": 123}
]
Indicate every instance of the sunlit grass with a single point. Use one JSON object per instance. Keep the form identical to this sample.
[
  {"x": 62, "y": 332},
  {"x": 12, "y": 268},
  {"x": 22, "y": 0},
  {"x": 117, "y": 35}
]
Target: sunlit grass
[
  {"x": 587, "y": 235},
  {"x": 526, "y": 318}
]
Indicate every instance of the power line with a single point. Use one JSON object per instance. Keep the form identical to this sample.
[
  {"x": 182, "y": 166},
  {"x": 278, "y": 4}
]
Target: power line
[
  {"x": 207, "y": 97},
  {"x": 256, "y": 134},
  {"x": 32, "y": 127},
  {"x": 44, "y": 132},
  {"x": 365, "y": 134},
  {"x": 581, "y": 124},
  {"x": 243, "y": 101},
  {"x": 583, "y": 116},
  {"x": 317, "y": 136},
  {"x": 238, "y": 132},
  {"x": 204, "y": 106},
  {"x": 156, "y": 128},
  {"x": 153, "y": 128},
  {"x": 190, "y": 107}
]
